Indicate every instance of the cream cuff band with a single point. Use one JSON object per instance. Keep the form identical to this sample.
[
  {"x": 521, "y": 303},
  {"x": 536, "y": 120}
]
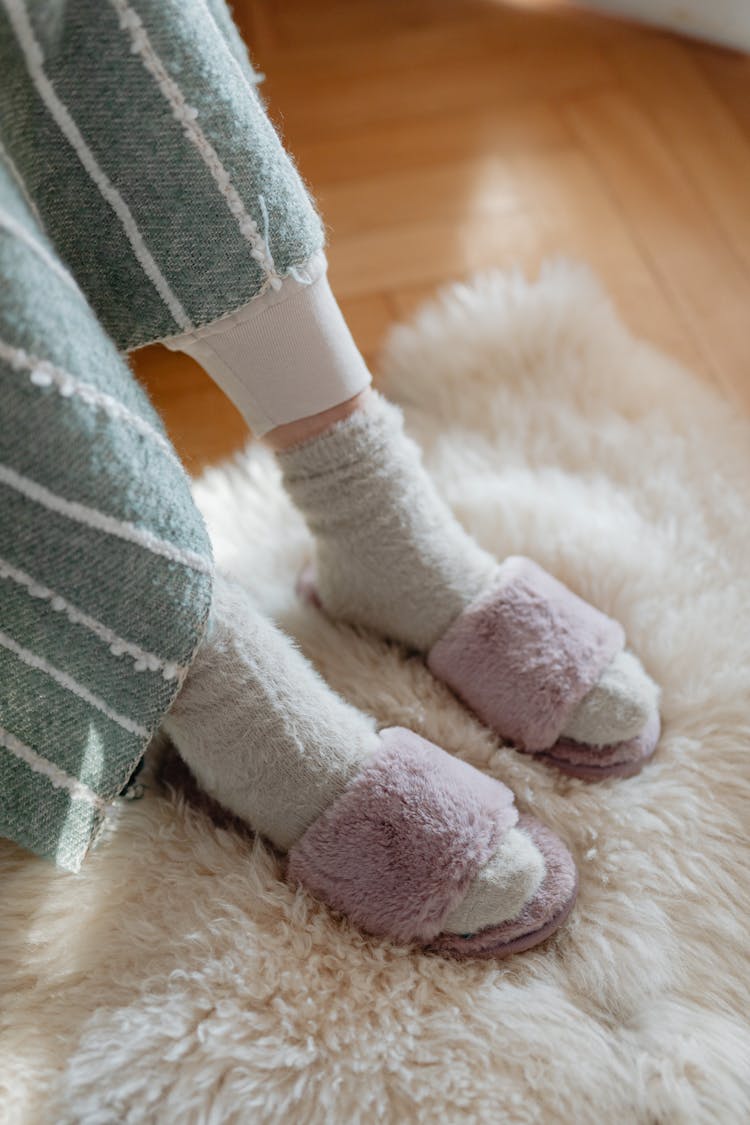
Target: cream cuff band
[{"x": 284, "y": 355}]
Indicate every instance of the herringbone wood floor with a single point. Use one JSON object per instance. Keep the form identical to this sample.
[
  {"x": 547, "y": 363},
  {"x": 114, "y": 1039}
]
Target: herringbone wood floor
[{"x": 442, "y": 136}]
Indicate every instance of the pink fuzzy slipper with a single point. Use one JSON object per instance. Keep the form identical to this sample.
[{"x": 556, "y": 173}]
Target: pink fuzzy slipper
[
  {"x": 399, "y": 849},
  {"x": 522, "y": 657}
]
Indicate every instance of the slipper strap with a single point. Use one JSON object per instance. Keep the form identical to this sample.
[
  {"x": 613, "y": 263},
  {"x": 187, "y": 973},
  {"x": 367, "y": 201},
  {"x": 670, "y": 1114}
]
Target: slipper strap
[
  {"x": 524, "y": 655},
  {"x": 396, "y": 852}
]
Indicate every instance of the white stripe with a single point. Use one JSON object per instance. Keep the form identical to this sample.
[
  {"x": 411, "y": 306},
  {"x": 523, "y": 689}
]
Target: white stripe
[
  {"x": 58, "y": 777},
  {"x": 46, "y": 374},
  {"x": 11, "y": 166},
  {"x": 92, "y": 517},
  {"x": 69, "y": 684},
  {"x": 20, "y": 232},
  {"x": 144, "y": 660},
  {"x": 186, "y": 114},
  {"x": 24, "y": 32}
]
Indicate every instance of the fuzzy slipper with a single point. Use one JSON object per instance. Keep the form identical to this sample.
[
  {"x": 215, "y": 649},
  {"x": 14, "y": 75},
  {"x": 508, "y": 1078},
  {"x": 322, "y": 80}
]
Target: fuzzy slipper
[
  {"x": 522, "y": 657},
  {"x": 401, "y": 847}
]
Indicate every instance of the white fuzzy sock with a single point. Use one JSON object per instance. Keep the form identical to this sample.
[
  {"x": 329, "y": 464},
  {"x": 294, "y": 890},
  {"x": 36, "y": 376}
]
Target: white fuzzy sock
[{"x": 261, "y": 731}]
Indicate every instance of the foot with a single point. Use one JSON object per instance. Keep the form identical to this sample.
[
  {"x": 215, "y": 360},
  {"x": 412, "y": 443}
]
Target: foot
[
  {"x": 407, "y": 841},
  {"x": 392, "y": 557}
]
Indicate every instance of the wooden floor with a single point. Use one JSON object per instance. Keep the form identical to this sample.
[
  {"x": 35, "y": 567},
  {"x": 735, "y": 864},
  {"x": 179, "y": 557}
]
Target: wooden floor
[{"x": 443, "y": 136}]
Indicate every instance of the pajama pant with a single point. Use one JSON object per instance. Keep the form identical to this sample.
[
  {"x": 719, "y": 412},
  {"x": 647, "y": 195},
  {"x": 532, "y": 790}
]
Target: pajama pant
[{"x": 144, "y": 196}]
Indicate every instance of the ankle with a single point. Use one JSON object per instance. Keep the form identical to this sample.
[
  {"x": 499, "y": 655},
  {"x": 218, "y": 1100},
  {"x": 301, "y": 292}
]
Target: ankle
[{"x": 303, "y": 430}]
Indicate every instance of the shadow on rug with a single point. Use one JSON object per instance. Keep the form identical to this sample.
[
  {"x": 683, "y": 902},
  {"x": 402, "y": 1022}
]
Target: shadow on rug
[{"x": 177, "y": 979}]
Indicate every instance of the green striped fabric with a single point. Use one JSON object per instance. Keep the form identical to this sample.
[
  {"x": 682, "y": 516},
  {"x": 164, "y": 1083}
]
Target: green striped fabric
[
  {"x": 105, "y": 566},
  {"x": 142, "y": 191}
]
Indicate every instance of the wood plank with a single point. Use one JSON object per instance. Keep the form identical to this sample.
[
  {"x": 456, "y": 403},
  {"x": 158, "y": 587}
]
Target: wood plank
[
  {"x": 675, "y": 234},
  {"x": 408, "y": 301},
  {"x": 728, "y": 73},
  {"x": 325, "y": 34},
  {"x": 369, "y": 316},
  {"x": 306, "y": 30},
  {"x": 258, "y": 26},
  {"x": 696, "y": 126},
  {"x": 431, "y": 229},
  {"x": 350, "y": 99},
  {"x": 201, "y": 421},
  {"x": 405, "y": 144},
  {"x": 489, "y": 186},
  {"x": 305, "y": 25}
]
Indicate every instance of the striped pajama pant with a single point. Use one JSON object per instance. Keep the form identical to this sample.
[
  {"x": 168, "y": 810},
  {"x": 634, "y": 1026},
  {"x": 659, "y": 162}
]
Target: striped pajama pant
[{"x": 144, "y": 196}]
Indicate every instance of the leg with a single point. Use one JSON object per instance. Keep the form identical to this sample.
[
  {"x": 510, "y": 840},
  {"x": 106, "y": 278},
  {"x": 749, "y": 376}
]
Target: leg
[
  {"x": 385, "y": 827},
  {"x": 389, "y": 553},
  {"x": 390, "y": 556}
]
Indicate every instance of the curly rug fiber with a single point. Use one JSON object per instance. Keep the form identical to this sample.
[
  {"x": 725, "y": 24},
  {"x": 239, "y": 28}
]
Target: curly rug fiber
[{"x": 177, "y": 979}]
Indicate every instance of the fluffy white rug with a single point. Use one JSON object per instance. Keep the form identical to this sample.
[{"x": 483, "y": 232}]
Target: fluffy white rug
[{"x": 178, "y": 980}]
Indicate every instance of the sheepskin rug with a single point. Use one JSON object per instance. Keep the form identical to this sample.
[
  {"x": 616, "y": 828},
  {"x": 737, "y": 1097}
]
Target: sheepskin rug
[{"x": 177, "y": 979}]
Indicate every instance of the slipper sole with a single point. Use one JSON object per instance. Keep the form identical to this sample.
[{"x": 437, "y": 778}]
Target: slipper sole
[{"x": 596, "y": 763}]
